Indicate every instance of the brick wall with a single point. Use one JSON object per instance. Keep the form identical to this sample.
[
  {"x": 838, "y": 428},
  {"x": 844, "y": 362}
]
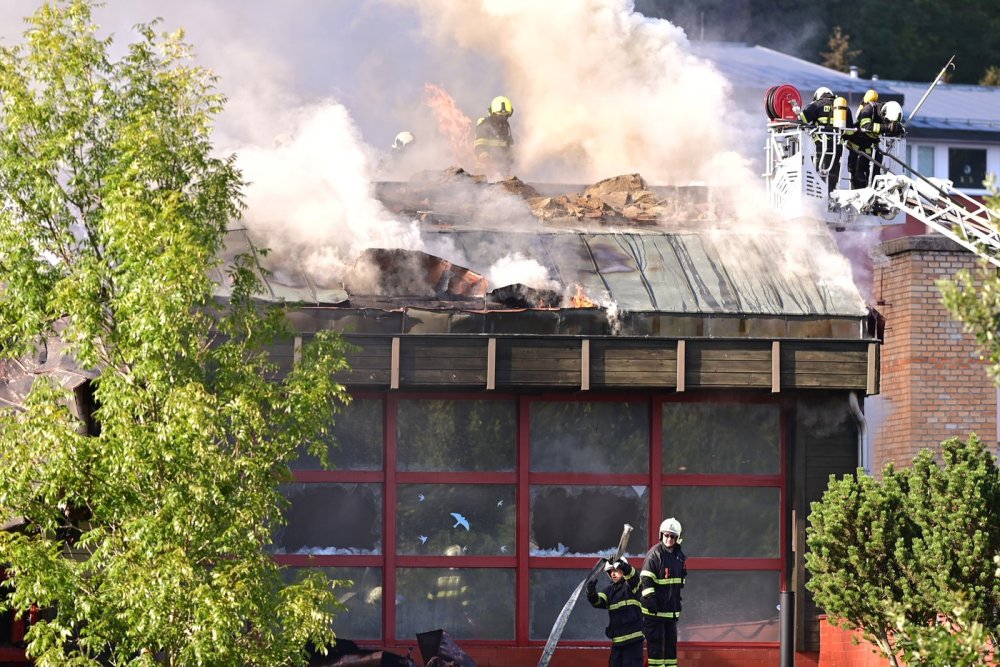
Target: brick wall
[{"x": 933, "y": 385}]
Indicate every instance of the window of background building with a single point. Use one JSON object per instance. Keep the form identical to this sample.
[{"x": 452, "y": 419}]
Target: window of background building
[{"x": 967, "y": 167}]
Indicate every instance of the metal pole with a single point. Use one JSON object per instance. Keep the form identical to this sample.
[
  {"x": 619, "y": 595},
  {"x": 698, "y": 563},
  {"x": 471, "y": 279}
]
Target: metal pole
[
  {"x": 933, "y": 83},
  {"x": 786, "y": 627}
]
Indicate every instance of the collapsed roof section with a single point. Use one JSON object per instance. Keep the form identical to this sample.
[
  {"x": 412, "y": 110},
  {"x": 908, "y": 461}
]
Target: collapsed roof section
[{"x": 612, "y": 268}]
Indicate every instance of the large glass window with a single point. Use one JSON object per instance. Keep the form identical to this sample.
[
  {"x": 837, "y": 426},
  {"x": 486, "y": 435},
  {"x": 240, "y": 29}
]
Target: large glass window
[
  {"x": 455, "y": 519},
  {"x": 360, "y": 591},
  {"x": 727, "y": 522},
  {"x": 925, "y": 160},
  {"x": 357, "y": 439},
  {"x": 331, "y": 519},
  {"x": 580, "y": 436},
  {"x": 456, "y": 436},
  {"x": 576, "y": 520},
  {"x": 721, "y": 438},
  {"x": 470, "y": 603},
  {"x": 967, "y": 167},
  {"x": 550, "y": 589},
  {"x": 724, "y": 606}
]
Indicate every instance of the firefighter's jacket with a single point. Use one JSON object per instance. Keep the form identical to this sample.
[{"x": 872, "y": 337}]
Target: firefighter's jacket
[
  {"x": 622, "y": 602},
  {"x": 493, "y": 136},
  {"x": 661, "y": 581},
  {"x": 819, "y": 112}
]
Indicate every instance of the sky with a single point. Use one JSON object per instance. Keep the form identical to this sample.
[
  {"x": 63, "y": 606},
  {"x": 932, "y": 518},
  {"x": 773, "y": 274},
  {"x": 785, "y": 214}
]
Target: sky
[{"x": 318, "y": 89}]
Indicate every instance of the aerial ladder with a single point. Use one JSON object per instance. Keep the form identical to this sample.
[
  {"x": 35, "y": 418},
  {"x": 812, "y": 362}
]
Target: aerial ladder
[{"x": 800, "y": 158}]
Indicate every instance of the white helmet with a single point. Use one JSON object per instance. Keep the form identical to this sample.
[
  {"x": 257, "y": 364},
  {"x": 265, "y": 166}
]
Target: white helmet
[
  {"x": 402, "y": 139},
  {"x": 671, "y": 525},
  {"x": 820, "y": 92},
  {"x": 892, "y": 112},
  {"x": 615, "y": 565}
]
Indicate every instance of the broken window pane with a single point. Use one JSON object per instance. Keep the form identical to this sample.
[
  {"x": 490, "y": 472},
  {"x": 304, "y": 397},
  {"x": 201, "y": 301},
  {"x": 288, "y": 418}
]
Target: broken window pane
[
  {"x": 721, "y": 438},
  {"x": 580, "y": 436},
  {"x": 469, "y": 603},
  {"x": 550, "y": 589},
  {"x": 455, "y": 519},
  {"x": 726, "y": 522},
  {"x": 357, "y": 433},
  {"x": 730, "y": 606},
  {"x": 331, "y": 519},
  {"x": 586, "y": 520},
  {"x": 362, "y": 597},
  {"x": 466, "y": 436}
]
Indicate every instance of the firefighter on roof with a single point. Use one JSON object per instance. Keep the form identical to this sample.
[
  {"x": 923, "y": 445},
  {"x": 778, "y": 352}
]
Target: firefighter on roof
[
  {"x": 494, "y": 141},
  {"x": 621, "y": 600},
  {"x": 662, "y": 578}
]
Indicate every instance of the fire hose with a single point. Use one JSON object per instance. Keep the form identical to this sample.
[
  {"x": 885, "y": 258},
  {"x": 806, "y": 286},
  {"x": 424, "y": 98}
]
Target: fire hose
[{"x": 557, "y": 627}]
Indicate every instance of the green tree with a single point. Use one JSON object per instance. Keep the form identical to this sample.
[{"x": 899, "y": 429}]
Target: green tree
[
  {"x": 145, "y": 542},
  {"x": 840, "y": 56},
  {"x": 857, "y": 533},
  {"x": 909, "y": 560},
  {"x": 973, "y": 297},
  {"x": 991, "y": 77}
]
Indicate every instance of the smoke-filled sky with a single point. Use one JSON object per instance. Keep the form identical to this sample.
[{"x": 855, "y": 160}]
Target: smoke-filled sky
[{"x": 318, "y": 89}]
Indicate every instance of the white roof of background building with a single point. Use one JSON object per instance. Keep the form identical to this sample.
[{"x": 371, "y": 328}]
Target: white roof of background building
[{"x": 951, "y": 111}]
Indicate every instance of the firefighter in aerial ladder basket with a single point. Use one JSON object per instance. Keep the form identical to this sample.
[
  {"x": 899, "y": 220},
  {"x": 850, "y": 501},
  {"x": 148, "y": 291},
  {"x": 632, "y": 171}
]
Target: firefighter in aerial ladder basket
[
  {"x": 494, "y": 141},
  {"x": 819, "y": 113},
  {"x": 875, "y": 121}
]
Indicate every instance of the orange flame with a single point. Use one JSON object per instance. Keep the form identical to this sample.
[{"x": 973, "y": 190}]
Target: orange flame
[
  {"x": 581, "y": 300},
  {"x": 452, "y": 123}
]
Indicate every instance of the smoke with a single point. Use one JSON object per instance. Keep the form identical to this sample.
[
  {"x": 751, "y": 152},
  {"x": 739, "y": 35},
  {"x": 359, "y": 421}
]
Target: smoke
[
  {"x": 516, "y": 268},
  {"x": 310, "y": 194},
  {"x": 598, "y": 89}
]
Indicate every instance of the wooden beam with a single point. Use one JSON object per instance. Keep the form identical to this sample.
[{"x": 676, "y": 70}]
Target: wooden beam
[
  {"x": 775, "y": 367},
  {"x": 585, "y": 365},
  {"x": 680, "y": 365},
  {"x": 491, "y": 364},
  {"x": 872, "y": 385},
  {"x": 297, "y": 351},
  {"x": 394, "y": 364}
]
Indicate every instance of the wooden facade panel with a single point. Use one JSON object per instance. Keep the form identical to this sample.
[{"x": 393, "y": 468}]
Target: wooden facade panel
[
  {"x": 644, "y": 365},
  {"x": 370, "y": 360},
  {"x": 443, "y": 361},
  {"x": 464, "y": 361}
]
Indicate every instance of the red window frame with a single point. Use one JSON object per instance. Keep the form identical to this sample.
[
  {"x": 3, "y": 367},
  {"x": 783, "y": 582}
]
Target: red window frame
[{"x": 523, "y": 479}]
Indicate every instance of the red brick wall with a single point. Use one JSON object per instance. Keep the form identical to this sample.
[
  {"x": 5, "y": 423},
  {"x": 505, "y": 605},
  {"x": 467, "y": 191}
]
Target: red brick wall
[
  {"x": 933, "y": 385},
  {"x": 839, "y": 648}
]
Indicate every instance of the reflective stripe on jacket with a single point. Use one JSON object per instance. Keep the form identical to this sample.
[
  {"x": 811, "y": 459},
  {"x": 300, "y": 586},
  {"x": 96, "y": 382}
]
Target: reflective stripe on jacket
[
  {"x": 662, "y": 578},
  {"x": 624, "y": 609}
]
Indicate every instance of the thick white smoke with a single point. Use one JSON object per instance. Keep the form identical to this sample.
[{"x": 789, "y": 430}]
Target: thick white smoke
[
  {"x": 310, "y": 194},
  {"x": 598, "y": 89}
]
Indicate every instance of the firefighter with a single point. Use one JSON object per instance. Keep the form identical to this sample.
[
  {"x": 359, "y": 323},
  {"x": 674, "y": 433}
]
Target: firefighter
[
  {"x": 662, "y": 578},
  {"x": 819, "y": 114},
  {"x": 621, "y": 600},
  {"x": 874, "y": 121},
  {"x": 494, "y": 140}
]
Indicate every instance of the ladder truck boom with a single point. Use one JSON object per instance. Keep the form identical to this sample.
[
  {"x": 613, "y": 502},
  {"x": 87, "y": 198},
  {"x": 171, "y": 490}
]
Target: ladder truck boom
[{"x": 799, "y": 161}]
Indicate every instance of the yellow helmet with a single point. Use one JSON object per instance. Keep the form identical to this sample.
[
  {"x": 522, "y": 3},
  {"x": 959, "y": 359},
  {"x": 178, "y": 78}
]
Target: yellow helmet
[
  {"x": 501, "y": 106},
  {"x": 871, "y": 96}
]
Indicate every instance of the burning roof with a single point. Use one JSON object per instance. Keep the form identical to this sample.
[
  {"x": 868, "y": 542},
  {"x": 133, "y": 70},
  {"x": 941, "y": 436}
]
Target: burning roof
[{"x": 603, "y": 246}]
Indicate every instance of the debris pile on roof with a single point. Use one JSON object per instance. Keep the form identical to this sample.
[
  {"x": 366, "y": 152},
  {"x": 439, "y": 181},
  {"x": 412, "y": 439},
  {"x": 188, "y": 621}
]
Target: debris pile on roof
[{"x": 454, "y": 196}]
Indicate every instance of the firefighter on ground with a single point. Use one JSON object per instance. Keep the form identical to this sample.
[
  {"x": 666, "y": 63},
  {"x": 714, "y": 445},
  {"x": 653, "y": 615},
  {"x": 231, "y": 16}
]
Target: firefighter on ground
[
  {"x": 661, "y": 580},
  {"x": 621, "y": 599},
  {"x": 819, "y": 114},
  {"x": 493, "y": 142}
]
